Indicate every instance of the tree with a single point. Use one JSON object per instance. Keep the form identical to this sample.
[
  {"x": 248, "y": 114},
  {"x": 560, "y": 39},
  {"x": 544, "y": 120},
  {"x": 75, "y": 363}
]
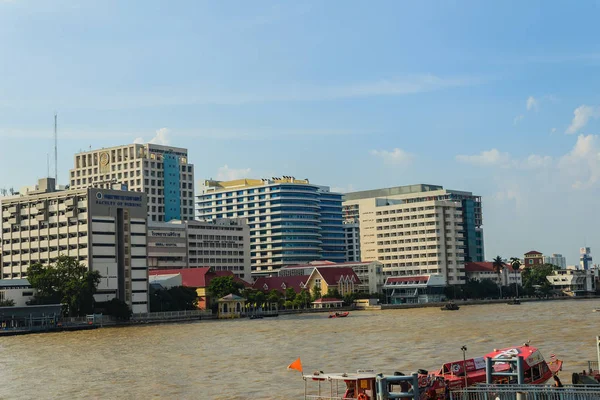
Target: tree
[
  {"x": 498, "y": 265},
  {"x": 303, "y": 298},
  {"x": 176, "y": 298},
  {"x": 67, "y": 282},
  {"x": 117, "y": 308},
  {"x": 290, "y": 294},
  {"x": 316, "y": 293},
  {"x": 7, "y": 303},
  {"x": 534, "y": 278},
  {"x": 515, "y": 263},
  {"x": 221, "y": 286}
]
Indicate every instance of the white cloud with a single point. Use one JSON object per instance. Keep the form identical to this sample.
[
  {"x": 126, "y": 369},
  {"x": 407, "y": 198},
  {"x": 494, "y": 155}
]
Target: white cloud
[
  {"x": 536, "y": 161},
  {"x": 532, "y": 104},
  {"x": 229, "y": 174},
  {"x": 582, "y": 115},
  {"x": 396, "y": 156},
  {"x": 491, "y": 157},
  {"x": 553, "y": 130},
  {"x": 582, "y": 164},
  {"x": 518, "y": 119},
  {"x": 161, "y": 137}
]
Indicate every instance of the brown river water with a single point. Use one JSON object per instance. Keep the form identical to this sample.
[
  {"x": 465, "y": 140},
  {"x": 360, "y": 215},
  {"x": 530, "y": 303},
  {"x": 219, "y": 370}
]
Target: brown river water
[{"x": 247, "y": 359}]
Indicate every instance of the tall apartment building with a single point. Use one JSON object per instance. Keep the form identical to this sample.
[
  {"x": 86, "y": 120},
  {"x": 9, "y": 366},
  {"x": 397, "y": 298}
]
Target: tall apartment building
[
  {"x": 162, "y": 172},
  {"x": 291, "y": 220},
  {"x": 418, "y": 229},
  {"x": 103, "y": 229},
  {"x": 585, "y": 258},
  {"x": 223, "y": 244}
]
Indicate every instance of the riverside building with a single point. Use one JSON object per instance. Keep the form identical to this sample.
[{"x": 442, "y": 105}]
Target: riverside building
[
  {"x": 161, "y": 172},
  {"x": 103, "y": 229},
  {"x": 291, "y": 220},
  {"x": 222, "y": 244},
  {"x": 418, "y": 230}
]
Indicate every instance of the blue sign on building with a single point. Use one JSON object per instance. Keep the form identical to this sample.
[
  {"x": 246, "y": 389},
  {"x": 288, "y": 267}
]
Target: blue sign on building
[{"x": 172, "y": 187}]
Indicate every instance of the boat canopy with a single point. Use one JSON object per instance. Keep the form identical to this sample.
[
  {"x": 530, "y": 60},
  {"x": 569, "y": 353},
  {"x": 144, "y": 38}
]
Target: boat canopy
[{"x": 531, "y": 355}]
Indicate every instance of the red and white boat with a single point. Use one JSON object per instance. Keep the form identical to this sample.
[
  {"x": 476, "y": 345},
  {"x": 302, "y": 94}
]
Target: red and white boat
[{"x": 339, "y": 315}]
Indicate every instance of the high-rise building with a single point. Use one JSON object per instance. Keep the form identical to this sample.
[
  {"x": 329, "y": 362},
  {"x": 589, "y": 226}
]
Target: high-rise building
[
  {"x": 556, "y": 259},
  {"x": 291, "y": 220},
  {"x": 162, "y": 172},
  {"x": 585, "y": 258},
  {"x": 222, "y": 244},
  {"x": 102, "y": 229},
  {"x": 418, "y": 229}
]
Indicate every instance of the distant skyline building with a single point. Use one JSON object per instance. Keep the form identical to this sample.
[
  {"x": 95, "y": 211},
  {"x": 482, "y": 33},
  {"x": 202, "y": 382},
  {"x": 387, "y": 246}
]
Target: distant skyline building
[
  {"x": 291, "y": 220},
  {"x": 533, "y": 258},
  {"x": 162, "y": 172},
  {"x": 585, "y": 258},
  {"x": 556, "y": 259},
  {"x": 418, "y": 229}
]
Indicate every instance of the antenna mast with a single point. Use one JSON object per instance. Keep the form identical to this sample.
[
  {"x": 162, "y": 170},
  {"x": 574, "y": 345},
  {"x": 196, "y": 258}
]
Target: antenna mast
[
  {"x": 55, "y": 151},
  {"x": 47, "y": 165}
]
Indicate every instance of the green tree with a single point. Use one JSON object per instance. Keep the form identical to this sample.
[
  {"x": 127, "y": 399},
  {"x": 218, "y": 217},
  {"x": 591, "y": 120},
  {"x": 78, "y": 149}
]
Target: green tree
[
  {"x": 7, "y": 303},
  {"x": 534, "y": 278},
  {"x": 117, "y": 308},
  {"x": 316, "y": 293},
  {"x": 177, "y": 298},
  {"x": 260, "y": 299},
  {"x": 333, "y": 293},
  {"x": 67, "y": 282},
  {"x": 222, "y": 286},
  {"x": 303, "y": 299},
  {"x": 290, "y": 294},
  {"x": 515, "y": 264},
  {"x": 498, "y": 265}
]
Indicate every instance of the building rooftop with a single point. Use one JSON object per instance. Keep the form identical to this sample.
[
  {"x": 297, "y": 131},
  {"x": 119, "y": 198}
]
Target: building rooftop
[
  {"x": 197, "y": 277},
  {"x": 214, "y": 185},
  {"x": 281, "y": 283},
  {"x": 332, "y": 276},
  {"x": 392, "y": 191},
  {"x": 8, "y": 283},
  {"x": 483, "y": 266}
]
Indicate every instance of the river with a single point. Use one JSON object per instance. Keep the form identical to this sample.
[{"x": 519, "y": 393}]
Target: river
[{"x": 247, "y": 359}]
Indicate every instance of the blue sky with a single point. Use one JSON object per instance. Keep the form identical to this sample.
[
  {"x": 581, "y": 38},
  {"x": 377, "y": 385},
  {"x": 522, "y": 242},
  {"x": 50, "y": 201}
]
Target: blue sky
[{"x": 498, "y": 98}]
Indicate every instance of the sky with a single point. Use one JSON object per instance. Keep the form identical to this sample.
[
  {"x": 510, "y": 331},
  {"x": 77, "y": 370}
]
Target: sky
[{"x": 498, "y": 98}]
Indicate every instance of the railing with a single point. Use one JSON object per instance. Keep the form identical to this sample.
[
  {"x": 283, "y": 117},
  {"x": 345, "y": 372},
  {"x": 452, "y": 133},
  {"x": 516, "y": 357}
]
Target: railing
[
  {"x": 166, "y": 315},
  {"x": 592, "y": 366},
  {"x": 526, "y": 392}
]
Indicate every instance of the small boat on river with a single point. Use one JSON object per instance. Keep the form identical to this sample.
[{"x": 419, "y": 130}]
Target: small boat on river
[
  {"x": 450, "y": 307},
  {"x": 339, "y": 315},
  {"x": 514, "y": 302}
]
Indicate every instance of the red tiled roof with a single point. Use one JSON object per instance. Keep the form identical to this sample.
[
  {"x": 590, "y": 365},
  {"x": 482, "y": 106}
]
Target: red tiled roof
[
  {"x": 197, "y": 277},
  {"x": 328, "y": 300},
  {"x": 332, "y": 276},
  {"x": 532, "y": 252},
  {"x": 278, "y": 283},
  {"x": 401, "y": 279},
  {"x": 486, "y": 266}
]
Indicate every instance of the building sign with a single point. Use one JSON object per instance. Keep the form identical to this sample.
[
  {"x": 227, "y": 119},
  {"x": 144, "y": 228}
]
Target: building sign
[
  {"x": 164, "y": 244},
  {"x": 165, "y": 234},
  {"x": 104, "y": 162},
  {"x": 117, "y": 200}
]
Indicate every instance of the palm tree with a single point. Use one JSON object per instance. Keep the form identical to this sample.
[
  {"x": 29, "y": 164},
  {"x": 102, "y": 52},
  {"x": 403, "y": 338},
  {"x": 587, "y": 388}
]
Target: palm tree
[
  {"x": 515, "y": 263},
  {"x": 498, "y": 265}
]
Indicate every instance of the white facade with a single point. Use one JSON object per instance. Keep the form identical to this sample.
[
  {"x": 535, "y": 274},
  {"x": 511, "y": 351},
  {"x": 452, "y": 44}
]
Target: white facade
[
  {"x": 352, "y": 237},
  {"x": 556, "y": 259},
  {"x": 573, "y": 282},
  {"x": 485, "y": 270},
  {"x": 162, "y": 172},
  {"x": 223, "y": 244},
  {"x": 17, "y": 290},
  {"x": 102, "y": 229}
]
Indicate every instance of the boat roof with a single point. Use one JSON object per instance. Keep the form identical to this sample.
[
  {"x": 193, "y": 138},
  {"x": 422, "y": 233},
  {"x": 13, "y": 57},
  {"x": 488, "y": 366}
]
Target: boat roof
[
  {"x": 531, "y": 355},
  {"x": 360, "y": 374}
]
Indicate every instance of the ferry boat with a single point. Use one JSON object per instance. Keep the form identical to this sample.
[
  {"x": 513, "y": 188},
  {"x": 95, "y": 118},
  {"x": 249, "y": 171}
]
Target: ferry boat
[
  {"x": 362, "y": 385},
  {"x": 450, "y": 307}
]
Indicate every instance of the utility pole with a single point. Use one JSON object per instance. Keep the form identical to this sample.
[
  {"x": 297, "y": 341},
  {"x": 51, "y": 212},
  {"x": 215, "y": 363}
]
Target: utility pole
[{"x": 55, "y": 150}]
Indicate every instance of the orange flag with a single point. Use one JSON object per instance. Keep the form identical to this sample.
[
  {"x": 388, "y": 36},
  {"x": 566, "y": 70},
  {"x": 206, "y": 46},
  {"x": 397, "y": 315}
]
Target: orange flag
[{"x": 297, "y": 365}]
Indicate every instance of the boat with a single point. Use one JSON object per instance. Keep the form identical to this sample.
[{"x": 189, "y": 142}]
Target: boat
[
  {"x": 450, "y": 307},
  {"x": 591, "y": 376},
  {"x": 514, "y": 302},
  {"x": 473, "y": 371},
  {"x": 339, "y": 315},
  {"x": 456, "y": 375},
  {"x": 255, "y": 316}
]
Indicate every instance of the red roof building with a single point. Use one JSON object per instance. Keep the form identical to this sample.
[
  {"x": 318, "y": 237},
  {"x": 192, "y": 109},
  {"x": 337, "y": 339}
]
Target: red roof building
[
  {"x": 533, "y": 258},
  {"x": 281, "y": 283},
  {"x": 485, "y": 270},
  {"x": 344, "y": 279}
]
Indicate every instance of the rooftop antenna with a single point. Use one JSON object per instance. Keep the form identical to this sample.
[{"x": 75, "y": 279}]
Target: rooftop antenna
[
  {"x": 55, "y": 150},
  {"x": 48, "y": 165}
]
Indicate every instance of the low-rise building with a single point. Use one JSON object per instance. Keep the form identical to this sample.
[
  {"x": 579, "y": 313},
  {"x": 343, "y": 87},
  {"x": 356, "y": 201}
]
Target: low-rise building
[
  {"x": 17, "y": 290},
  {"x": 222, "y": 244},
  {"x": 342, "y": 279},
  {"x": 281, "y": 283},
  {"x": 573, "y": 282},
  {"x": 197, "y": 278},
  {"x": 102, "y": 229},
  {"x": 485, "y": 270},
  {"x": 414, "y": 289},
  {"x": 533, "y": 258},
  {"x": 370, "y": 273}
]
